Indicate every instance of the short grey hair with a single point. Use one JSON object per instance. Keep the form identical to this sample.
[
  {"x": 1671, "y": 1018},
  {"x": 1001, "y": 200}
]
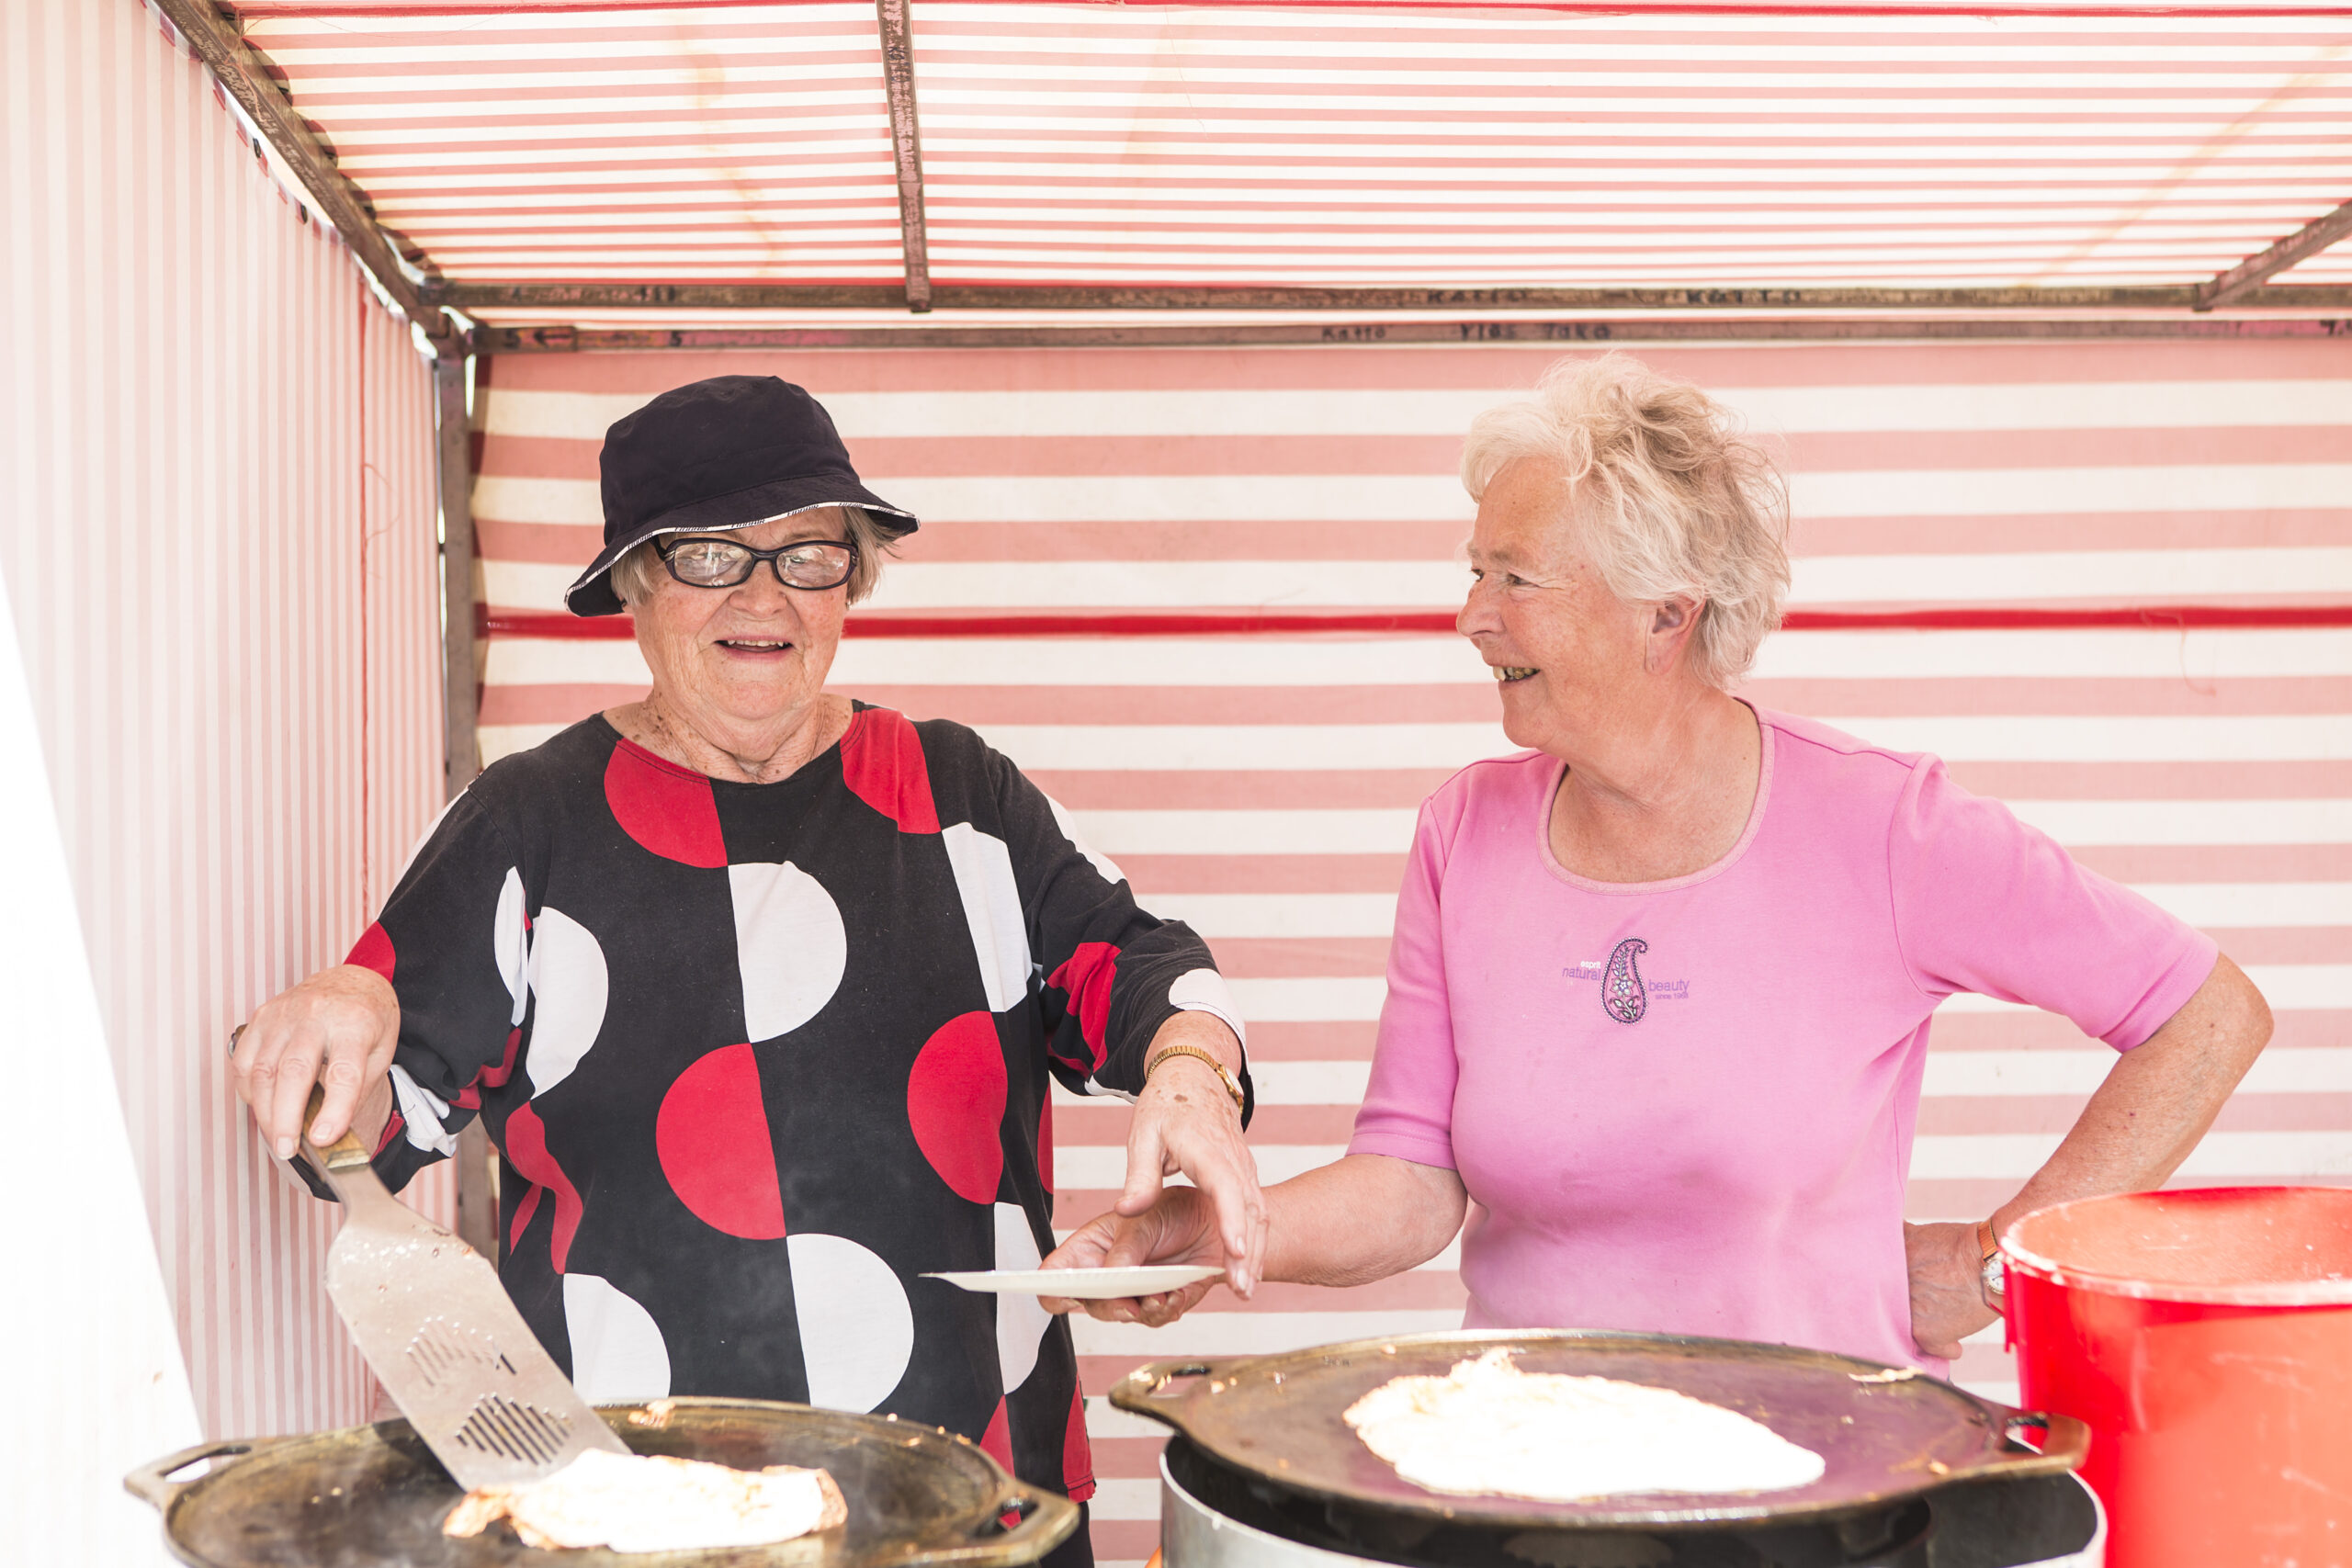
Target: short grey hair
[
  {"x": 1672, "y": 498},
  {"x": 633, "y": 574}
]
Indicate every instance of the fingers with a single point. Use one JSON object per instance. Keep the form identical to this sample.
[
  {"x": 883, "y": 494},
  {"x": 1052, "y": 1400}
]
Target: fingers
[
  {"x": 1085, "y": 1247},
  {"x": 1219, "y": 1163},
  {"x": 1152, "y": 1312},
  {"x": 1147, "y": 1163},
  {"x": 341, "y": 1077},
  {"x": 337, "y": 1030},
  {"x": 1232, "y": 1187},
  {"x": 296, "y": 1069},
  {"x": 274, "y": 1065}
]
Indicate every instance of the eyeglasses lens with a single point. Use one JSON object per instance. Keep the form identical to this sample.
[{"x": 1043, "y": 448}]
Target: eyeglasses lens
[
  {"x": 815, "y": 566},
  {"x": 710, "y": 563}
]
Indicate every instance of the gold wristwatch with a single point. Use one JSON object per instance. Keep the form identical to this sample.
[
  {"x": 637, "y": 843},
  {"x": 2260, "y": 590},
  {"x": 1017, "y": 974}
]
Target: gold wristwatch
[{"x": 1224, "y": 1075}]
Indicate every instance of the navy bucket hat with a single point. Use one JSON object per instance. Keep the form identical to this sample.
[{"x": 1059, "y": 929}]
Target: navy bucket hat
[{"x": 711, "y": 456}]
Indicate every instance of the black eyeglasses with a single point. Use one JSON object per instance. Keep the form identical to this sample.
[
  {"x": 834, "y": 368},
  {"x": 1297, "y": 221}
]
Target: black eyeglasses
[{"x": 809, "y": 565}]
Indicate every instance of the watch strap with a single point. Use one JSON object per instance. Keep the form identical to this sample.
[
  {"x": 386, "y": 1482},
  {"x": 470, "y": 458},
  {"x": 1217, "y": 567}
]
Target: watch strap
[
  {"x": 1990, "y": 1271},
  {"x": 1224, "y": 1074}
]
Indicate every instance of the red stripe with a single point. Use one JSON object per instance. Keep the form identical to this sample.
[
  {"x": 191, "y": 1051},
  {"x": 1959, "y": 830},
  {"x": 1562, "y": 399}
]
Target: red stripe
[{"x": 1197, "y": 622}]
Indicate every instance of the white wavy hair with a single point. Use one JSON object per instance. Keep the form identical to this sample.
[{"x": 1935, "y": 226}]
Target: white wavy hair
[
  {"x": 1671, "y": 498},
  {"x": 633, "y": 574}
]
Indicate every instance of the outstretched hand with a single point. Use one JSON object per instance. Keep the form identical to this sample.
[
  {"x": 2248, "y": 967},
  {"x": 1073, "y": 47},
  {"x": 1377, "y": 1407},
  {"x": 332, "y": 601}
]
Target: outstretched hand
[{"x": 1179, "y": 1228}]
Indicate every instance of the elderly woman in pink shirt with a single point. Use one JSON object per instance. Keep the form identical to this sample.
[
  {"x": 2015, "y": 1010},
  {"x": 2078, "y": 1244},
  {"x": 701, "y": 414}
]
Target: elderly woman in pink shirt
[{"x": 1659, "y": 991}]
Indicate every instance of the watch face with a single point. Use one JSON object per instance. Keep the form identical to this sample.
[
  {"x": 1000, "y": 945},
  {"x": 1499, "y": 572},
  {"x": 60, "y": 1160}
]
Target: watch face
[{"x": 1995, "y": 1275}]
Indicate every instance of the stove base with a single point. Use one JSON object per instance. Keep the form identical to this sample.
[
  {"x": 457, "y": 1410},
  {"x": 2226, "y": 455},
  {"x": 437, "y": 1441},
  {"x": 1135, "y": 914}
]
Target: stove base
[{"x": 1211, "y": 1517}]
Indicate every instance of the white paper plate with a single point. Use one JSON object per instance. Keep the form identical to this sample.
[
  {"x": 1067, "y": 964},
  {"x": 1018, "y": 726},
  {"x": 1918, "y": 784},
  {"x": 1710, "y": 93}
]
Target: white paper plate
[{"x": 1084, "y": 1284}]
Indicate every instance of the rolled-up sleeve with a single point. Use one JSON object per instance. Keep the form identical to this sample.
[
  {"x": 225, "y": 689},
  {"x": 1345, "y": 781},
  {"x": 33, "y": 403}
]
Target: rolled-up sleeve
[
  {"x": 1986, "y": 903},
  {"x": 1408, "y": 1106}
]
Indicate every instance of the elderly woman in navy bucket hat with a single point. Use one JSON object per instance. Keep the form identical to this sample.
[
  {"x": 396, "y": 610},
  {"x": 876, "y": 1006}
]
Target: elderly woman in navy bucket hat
[{"x": 758, "y": 990}]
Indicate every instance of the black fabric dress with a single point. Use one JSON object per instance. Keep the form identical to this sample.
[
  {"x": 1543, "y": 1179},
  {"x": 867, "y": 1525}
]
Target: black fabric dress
[{"x": 758, "y": 1057}]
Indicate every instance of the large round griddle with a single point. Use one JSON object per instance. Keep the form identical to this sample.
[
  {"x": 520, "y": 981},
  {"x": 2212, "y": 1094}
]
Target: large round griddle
[
  {"x": 1884, "y": 1439},
  {"x": 375, "y": 1497}
]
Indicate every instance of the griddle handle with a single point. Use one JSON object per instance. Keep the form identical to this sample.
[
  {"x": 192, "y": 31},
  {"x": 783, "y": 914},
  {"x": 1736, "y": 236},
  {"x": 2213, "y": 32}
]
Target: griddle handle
[
  {"x": 1046, "y": 1519},
  {"x": 2065, "y": 1443},
  {"x": 1142, "y": 1390},
  {"x": 149, "y": 1481}
]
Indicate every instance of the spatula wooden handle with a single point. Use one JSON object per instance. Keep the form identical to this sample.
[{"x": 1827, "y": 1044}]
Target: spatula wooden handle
[{"x": 344, "y": 1152}]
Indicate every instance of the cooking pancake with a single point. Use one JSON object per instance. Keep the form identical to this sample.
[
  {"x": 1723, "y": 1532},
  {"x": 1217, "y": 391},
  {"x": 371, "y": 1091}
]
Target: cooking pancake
[
  {"x": 655, "y": 1503},
  {"x": 1488, "y": 1428}
]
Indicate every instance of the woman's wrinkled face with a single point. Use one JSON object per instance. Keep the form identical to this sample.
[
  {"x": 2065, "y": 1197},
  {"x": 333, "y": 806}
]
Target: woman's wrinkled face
[
  {"x": 750, "y": 654},
  {"x": 1567, "y": 653}
]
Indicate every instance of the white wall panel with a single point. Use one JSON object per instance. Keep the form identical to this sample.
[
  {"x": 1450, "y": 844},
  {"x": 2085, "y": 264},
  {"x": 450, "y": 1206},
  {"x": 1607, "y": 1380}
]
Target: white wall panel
[{"x": 220, "y": 540}]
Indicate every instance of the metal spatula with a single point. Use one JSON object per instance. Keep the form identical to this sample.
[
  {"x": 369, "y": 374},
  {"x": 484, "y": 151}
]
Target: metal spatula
[{"x": 430, "y": 1316}]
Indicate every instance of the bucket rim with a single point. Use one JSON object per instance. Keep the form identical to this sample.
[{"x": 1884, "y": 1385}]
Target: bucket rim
[{"x": 2256, "y": 1293}]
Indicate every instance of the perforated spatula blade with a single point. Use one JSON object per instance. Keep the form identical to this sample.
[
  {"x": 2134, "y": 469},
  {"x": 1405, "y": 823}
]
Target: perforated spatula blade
[{"x": 443, "y": 1336}]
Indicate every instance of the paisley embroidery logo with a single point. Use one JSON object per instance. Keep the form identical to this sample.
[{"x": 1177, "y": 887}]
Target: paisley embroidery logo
[{"x": 1621, "y": 988}]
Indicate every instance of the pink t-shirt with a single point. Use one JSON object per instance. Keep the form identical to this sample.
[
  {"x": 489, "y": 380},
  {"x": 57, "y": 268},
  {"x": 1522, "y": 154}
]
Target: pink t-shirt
[{"x": 1687, "y": 1106}]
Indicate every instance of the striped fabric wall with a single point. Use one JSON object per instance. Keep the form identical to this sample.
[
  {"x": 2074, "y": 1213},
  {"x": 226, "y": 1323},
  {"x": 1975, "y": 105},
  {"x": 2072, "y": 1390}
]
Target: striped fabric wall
[
  {"x": 1263, "y": 786},
  {"x": 221, "y": 544}
]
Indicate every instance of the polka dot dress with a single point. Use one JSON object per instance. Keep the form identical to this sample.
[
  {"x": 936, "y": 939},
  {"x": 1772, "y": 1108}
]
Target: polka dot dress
[{"x": 758, "y": 1057}]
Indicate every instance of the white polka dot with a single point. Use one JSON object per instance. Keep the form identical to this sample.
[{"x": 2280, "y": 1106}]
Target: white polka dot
[
  {"x": 789, "y": 944},
  {"x": 856, "y": 1330},
  {"x": 617, "y": 1349},
  {"x": 1021, "y": 1323},
  {"x": 1107, "y": 868},
  {"x": 1204, "y": 990},
  {"x": 508, "y": 942},
  {"x": 992, "y": 898},
  {"x": 568, "y": 975}
]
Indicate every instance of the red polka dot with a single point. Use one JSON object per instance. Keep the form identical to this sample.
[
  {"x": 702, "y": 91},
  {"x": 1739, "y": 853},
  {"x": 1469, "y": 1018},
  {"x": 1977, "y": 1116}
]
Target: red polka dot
[
  {"x": 526, "y": 1148},
  {"x": 666, "y": 810},
  {"x": 712, "y": 1137},
  {"x": 373, "y": 951},
  {"x": 1086, "y": 976},
  {"x": 882, "y": 763},
  {"x": 956, "y": 1105},
  {"x": 1078, "y": 1455},
  {"x": 996, "y": 1441}
]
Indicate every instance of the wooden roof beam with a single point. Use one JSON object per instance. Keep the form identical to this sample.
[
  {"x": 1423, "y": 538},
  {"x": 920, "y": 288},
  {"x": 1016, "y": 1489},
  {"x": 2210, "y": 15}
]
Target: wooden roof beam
[
  {"x": 247, "y": 79},
  {"x": 1583, "y": 332},
  {"x": 2234, "y": 287},
  {"x": 906, "y": 145}
]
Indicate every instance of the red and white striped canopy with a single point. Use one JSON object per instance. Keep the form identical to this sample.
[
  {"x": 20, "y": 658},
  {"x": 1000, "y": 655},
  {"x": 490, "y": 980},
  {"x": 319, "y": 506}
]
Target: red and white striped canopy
[{"x": 1637, "y": 144}]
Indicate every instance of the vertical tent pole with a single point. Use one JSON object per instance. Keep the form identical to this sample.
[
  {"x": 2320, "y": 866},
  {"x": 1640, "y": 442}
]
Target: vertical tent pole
[
  {"x": 455, "y": 467},
  {"x": 477, "y": 1199}
]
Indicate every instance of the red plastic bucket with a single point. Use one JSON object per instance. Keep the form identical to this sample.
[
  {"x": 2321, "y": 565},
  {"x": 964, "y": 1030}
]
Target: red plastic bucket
[{"x": 2205, "y": 1336}]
